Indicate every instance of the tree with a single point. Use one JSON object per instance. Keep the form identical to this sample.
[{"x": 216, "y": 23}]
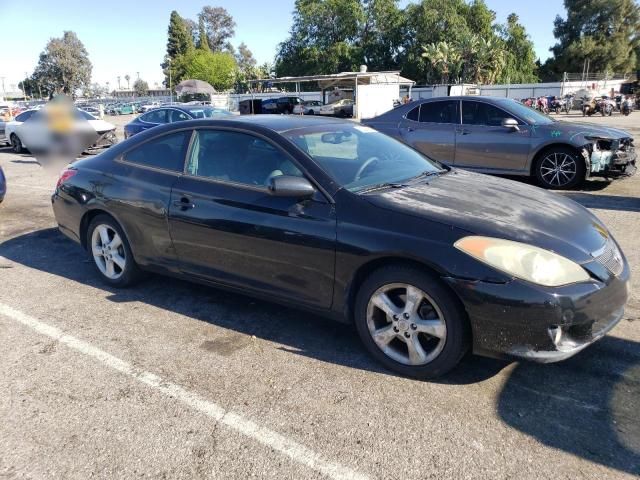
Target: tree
[
  {"x": 141, "y": 88},
  {"x": 246, "y": 65},
  {"x": 30, "y": 87},
  {"x": 604, "y": 32},
  {"x": 219, "y": 27},
  {"x": 520, "y": 56},
  {"x": 216, "y": 68},
  {"x": 203, "y": 42},
  {"x": 127, "y": 77},
  {"x": 63, "y": 66},
  {"x": 179, "y": 41},
  {"x": 444, "y": 57}
]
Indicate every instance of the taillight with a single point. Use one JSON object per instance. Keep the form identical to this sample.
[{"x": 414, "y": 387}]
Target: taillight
[{"x": 65, "y": 175}]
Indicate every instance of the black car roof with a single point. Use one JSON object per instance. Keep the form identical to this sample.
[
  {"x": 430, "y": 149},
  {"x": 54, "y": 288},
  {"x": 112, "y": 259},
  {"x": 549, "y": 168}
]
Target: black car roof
[{"x": 280, "y": 123}]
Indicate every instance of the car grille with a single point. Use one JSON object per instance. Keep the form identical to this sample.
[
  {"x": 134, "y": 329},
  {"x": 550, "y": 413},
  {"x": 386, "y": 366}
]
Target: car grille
[{"x": 611, "y": 257}]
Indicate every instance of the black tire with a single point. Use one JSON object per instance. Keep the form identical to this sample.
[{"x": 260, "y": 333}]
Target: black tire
[
  {"x": 311, "y": 112},
  {"x": 16, "y": 144},
  {"x": 131, "y": 273},
  {"x": 543, "y": 176},
  {"x": 457, "y": 339}
]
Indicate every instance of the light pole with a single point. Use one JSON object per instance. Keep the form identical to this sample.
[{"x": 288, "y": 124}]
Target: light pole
[
  {"x": 118, "y": 82},
  {"x": 170, "y": 89}
]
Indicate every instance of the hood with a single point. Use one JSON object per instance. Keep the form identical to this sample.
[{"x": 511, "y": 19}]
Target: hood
[
  {"x": 571, "y": 130},
  {"x": 490, "y": 206},
  {"x": 101, "y": 125}
]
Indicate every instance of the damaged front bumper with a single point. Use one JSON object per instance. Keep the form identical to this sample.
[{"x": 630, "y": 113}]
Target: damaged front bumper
[{"x": 610, "y": 157}]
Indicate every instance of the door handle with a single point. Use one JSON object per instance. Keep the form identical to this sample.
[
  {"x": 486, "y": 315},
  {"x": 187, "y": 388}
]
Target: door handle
[
  {"x": 184, "y": 204},
  {"x": 410, "y": 129},
  {"x": 463, "y": 131}
]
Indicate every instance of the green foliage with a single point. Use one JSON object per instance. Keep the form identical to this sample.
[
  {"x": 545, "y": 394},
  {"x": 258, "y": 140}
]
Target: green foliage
[
  {"x": 203, "y": 41},
  {"x": 179, "y": 42},
  {"x": 216, "y": 68},
  {"x": 141, "y": 88},
  {"x": 604, "y": 32},
  {"x": 63, "y": 66},
  {"x": 431, "y": 41}
]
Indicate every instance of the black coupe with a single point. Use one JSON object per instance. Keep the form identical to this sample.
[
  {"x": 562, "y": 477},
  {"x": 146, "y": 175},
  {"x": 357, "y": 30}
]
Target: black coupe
[{"x": 335, "y": 217}]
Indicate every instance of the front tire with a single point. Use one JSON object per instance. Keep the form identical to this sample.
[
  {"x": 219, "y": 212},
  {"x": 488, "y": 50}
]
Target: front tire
[
  {"x": 110, "y": 253},
  {"x": 560, "y": 168},
  {"x": 410, "y": 322}
]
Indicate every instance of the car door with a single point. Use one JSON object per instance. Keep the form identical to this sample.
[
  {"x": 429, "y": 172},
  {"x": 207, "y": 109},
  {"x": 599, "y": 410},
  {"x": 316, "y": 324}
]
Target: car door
[
  {"x": 227, "y": 228},
  {"x": 139, "y": 191},
  {"x": 431, "y": 129},
  {"x": 482, "y": 143},
  {"x": 153, "y": 118}
]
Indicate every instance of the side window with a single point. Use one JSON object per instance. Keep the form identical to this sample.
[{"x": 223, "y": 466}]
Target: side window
[
  {"x": 177, "y": 116},
  {"x": 24, "y": 116},
  {"x": 414, "y": 114},
  {"x": 479, "y": 113},
  {"x": 155, "y": 116},
  {"x": 439, "y": 112},
  {"x": 237, "y": 157},
  {"x": 166, "y": 152}
]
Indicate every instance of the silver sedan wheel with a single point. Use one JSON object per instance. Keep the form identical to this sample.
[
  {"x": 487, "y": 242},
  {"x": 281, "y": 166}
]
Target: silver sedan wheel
[
  {"x": 108, "y": 251},
  {"x": 406, "y": 324},
  {"x": 558, "y": 169}
]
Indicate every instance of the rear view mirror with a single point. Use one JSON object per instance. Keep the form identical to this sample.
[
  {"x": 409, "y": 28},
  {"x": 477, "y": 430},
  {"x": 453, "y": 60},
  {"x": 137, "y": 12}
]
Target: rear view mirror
[
  {"x": 335, "y": 137},
  {"x": 510, "y": 123},
  {"x": 291, "y": 186}
]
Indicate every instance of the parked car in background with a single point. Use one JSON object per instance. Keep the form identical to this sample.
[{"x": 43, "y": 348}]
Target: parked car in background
[
  {"x": 502, "y": 136},
  {"x": 122, "y": 109},
  {"x": 287, "y": 104},
  {"x": 3, "y": 185},
  {"x": 171, "y": 114},
  {"x": 311, "y": 107},
  {"x": 149, "y": 106},
  {"x": 21, "y": 133},
  {"x": 342, "y": 108},
  {"x": 427, "y": 261}
]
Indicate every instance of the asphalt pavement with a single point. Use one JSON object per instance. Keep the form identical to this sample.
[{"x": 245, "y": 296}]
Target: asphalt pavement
[{"x": 175, "y": 380}]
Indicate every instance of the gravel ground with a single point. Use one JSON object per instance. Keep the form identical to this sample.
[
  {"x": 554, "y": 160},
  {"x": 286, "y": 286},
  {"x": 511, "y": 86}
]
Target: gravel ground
[{"x": 175, "y": 380}]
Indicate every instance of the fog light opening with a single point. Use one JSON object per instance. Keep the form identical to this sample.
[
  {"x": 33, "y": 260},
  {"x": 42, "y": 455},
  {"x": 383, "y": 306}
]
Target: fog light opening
[{"x": 555, "y": 332}]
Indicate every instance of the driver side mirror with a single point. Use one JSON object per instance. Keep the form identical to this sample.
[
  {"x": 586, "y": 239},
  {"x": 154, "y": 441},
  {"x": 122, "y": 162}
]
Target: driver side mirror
[
  {"x": 510, "y": 123},
  {"x": 291, "y": 186}
]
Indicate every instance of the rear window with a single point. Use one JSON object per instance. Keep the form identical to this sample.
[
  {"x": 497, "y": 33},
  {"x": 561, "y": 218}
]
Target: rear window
[{"x": 166, "y": 152}]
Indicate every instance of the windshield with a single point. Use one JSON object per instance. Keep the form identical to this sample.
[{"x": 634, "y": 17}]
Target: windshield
[
  {"x": 208, "y": 112},
  {"x": 359, "y": 157},
  {"x": 532, "y": 116}
]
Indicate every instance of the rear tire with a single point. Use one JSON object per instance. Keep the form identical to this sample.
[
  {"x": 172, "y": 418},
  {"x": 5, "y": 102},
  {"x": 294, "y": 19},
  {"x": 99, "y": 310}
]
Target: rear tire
[
  {"x": 422, "y": 334},
  {"x": 560, "y": 168},
  {"x": 109, "y": 252},
  {"x": 16, "y": 144}
]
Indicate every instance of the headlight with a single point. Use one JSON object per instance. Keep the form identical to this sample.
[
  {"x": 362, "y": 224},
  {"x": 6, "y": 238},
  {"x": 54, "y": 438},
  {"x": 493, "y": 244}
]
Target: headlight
[{"x": 523, "y": 261}]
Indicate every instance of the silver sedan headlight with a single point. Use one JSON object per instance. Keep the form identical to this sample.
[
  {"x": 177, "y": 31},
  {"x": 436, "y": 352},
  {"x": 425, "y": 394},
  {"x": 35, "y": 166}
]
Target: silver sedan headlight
[{"x": 523, "y": 261}]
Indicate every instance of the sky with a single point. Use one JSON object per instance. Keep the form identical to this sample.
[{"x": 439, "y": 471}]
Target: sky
[{"x": 129, "y": 36}]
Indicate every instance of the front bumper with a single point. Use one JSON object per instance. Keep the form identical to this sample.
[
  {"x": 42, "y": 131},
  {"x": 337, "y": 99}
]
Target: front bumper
[{"x": 543, "y": 324}]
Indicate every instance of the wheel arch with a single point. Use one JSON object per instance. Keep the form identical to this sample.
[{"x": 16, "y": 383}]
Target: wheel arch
[
  {"x": 371, "y": 266},
  {"x": 538, "y": 155},
  {"x": 86, "y": 219}
]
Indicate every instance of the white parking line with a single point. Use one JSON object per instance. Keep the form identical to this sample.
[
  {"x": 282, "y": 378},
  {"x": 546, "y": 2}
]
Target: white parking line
[{"x": 296, "y": 451}]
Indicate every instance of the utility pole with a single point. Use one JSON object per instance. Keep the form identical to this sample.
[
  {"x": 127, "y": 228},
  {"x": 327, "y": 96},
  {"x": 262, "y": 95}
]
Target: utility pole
[
  {"x": 4, "y": 92},
  {"x": 118, "y": 82},
  {"x": 170, "y": 89}
]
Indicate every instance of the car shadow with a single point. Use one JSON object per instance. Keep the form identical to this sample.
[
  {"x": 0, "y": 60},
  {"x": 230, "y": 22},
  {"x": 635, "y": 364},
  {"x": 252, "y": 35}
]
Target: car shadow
[
  {"x": 299, "y": 332},
  {"x": 585, "y": 406},
  {"x": 605, "y": 202}
]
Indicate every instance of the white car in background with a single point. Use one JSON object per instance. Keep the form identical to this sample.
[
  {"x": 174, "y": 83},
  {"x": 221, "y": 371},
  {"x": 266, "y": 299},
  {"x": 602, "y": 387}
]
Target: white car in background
[
  {"x": 22, "y": 134},
  {"x": 342, "y": 108}
]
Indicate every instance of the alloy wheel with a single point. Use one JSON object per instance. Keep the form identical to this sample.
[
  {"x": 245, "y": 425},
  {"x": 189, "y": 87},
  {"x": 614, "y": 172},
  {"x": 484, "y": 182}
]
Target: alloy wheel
[
  {"x": 108, "y": 251},
  {"x": 558, "y": 169},
  {"x": 406, "y": 324}
]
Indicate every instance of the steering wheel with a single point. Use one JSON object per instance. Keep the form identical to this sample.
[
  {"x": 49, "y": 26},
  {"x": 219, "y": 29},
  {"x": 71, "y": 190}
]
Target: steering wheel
[{"x": 364, "y": 166}]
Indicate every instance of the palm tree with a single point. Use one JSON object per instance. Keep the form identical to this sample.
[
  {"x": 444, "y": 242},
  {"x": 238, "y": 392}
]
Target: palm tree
[
  {"x": 444, "y": 57},
  {"x": 127, "y": 78}
]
